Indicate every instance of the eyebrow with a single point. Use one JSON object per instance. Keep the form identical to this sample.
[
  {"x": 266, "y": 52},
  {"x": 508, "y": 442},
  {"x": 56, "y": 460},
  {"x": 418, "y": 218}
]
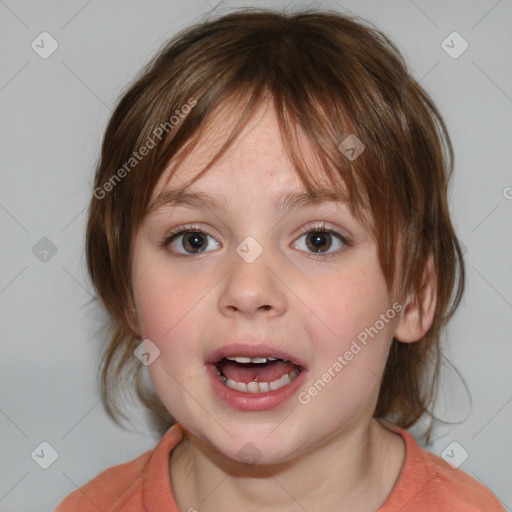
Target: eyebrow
[{"x": 285, "y": 203}]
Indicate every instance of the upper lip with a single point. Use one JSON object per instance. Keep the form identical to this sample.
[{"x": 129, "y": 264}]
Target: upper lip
[{"x": 252, "y": 350}]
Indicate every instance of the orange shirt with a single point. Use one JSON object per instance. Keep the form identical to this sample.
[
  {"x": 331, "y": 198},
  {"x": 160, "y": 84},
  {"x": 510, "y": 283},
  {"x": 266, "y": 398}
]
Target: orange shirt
[{"x": 426, "y": 483}]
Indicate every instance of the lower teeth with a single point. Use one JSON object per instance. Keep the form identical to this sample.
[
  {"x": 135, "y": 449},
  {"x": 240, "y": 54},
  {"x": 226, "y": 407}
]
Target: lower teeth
[{"x": 259, "y": 387}]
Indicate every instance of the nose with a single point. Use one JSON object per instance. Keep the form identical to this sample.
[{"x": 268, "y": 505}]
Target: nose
[{"x": 252, "y": 288}]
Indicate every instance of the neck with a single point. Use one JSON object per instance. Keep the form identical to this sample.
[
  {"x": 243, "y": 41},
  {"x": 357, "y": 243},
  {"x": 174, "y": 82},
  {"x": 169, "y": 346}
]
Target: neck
[{"x": 354, "y": 470}]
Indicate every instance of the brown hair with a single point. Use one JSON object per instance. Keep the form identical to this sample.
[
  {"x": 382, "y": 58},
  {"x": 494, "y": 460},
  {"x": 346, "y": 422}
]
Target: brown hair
[{"x": 329, "y": 76}]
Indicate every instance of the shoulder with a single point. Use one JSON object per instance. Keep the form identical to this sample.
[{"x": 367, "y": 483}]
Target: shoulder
[
  {"x": 456, "y": 487},
  {"x": 131, "y": 487},
  {"x": 106, "y": 488},
  {"x": 427, "y": 482}
]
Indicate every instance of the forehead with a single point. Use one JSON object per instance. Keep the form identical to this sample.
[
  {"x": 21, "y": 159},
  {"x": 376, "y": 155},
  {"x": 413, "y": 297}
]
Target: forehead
[
  {"x": 255, "y": 171},
  {"x": 256, "y": 157}
]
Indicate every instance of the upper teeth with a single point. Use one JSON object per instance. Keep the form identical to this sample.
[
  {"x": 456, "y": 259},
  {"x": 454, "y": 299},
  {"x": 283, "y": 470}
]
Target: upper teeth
[{"x": 243, "y": 359}]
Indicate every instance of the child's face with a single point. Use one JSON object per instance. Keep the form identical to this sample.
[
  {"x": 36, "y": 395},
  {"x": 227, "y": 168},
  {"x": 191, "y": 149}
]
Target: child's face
[{"x": 311, "y": 305}]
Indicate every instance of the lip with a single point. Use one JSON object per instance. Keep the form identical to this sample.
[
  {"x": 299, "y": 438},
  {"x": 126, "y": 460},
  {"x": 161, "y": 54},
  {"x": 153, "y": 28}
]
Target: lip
[{"x": 253, "y": 401}]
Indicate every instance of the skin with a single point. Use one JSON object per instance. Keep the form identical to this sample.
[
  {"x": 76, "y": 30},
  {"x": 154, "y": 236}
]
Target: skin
[{"x": 328, "y": 454}]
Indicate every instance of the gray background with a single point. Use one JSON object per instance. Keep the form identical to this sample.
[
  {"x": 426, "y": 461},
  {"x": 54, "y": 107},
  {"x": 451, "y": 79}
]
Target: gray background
[{"x": 53, "y": 114}]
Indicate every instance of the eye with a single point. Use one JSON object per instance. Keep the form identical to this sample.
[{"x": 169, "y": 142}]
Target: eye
[
  {"x": 319, "y": 240},
  {"x": 190, "y": 238}
]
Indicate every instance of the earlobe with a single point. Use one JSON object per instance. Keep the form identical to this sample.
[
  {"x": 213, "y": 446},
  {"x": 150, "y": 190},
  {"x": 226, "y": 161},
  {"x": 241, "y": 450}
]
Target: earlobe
[{"x": 413, "y": 326}]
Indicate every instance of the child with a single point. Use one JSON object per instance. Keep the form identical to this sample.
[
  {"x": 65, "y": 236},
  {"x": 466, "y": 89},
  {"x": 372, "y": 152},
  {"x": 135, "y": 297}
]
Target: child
[{"x": 270, "y": 234}]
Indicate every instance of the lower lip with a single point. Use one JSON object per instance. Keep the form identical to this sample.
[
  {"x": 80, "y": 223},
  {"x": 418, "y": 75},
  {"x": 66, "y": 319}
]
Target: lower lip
[{"x": 254, "y": 401}]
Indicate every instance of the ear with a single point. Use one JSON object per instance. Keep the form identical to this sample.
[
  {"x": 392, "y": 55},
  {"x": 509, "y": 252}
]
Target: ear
[{"x": 411, "y": 327}]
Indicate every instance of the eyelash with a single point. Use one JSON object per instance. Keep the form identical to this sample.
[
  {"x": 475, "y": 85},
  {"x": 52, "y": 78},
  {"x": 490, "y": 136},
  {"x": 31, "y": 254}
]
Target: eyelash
[{"x": 317, "y": 228}]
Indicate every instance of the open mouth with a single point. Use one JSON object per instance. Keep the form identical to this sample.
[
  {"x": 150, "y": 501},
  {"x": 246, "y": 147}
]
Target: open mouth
[{"x": 256, "y": 374}]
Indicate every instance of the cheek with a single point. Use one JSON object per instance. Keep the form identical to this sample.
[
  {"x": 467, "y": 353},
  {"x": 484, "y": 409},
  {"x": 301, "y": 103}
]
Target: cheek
[
  {"x": 171, "y": 320},
  {"x": 171, "y": 308},
  {"x": 352, "y": 339},
  {"x": 162, "y": 296},
  {"x": 351, "y": 353},
  {"x": 351, "y": 303}
]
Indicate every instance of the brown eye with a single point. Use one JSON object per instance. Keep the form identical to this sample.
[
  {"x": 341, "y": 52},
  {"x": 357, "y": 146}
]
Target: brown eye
[
  {"x": 319, "y": 241},
  {"x": 189, "y": 242},
  {"x": 194, "y": 241}
]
